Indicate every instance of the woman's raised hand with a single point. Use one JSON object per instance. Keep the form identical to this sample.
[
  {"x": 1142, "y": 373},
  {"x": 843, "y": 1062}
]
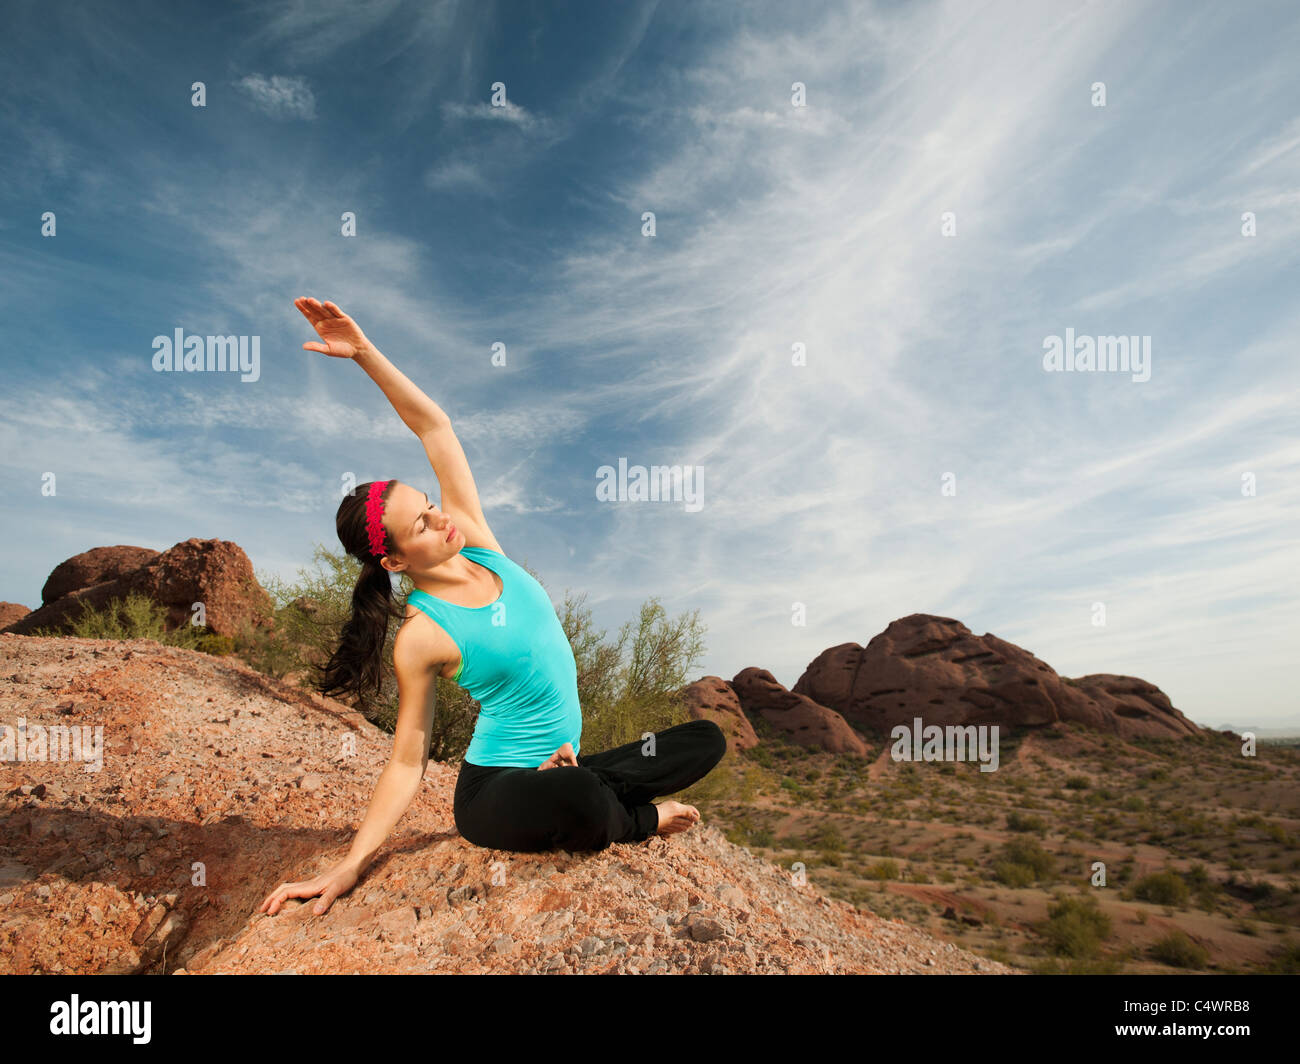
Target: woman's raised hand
[{"x": 342, "y": 336}]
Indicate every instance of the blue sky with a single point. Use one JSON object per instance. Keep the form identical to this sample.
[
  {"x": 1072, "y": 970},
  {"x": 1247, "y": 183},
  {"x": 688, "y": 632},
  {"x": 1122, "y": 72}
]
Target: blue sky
[{"x": 775, "y": 225}]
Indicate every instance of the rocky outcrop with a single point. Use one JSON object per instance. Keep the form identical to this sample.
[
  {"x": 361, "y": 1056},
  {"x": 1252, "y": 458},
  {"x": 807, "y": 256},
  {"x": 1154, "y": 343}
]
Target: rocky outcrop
[
  {"x": 216, "y": 784},
  {"x": 214, "y": 572},
  {"x": 95, "y": 566},
  {"x": 936, "y": 669},
  {"x": 12, "y": 612},
  {"x": 798, "y": 717},
  {"x": 712, "y": 698}
]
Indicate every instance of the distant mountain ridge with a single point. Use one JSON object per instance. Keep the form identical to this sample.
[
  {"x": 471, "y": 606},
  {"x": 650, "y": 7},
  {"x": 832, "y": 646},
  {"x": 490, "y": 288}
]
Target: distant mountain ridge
[
  {"x": 936, "y": 669},
  {"x": 1284, "y": 730}
]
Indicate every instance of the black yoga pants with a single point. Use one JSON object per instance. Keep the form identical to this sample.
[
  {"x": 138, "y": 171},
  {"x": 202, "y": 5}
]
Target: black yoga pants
[{"x": 604, "y": 798}]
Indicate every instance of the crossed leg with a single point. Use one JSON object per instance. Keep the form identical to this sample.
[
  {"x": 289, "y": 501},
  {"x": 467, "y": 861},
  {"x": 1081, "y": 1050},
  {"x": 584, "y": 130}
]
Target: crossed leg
[
  {"x": 604, "y": 799},
  {"x": 669, "y": 762}
]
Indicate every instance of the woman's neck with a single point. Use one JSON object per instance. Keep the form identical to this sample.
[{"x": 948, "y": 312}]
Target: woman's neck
[{"x": 455, "y": 573}]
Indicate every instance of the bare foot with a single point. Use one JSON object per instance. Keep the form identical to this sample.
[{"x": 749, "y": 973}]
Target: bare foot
[{"x": 675, "y": 817}]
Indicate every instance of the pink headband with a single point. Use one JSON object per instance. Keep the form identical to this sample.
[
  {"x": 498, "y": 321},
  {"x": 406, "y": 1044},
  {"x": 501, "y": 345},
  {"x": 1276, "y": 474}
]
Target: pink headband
[{"x": 375, "y": 516}]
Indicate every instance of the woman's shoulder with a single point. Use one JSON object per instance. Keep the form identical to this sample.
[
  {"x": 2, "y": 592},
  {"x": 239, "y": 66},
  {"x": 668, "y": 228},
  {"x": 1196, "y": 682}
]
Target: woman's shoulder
[
  {"x": 481, "y": 552},
  {"x": 422, "y": 634},
  {"x": 426, "y": 648}
]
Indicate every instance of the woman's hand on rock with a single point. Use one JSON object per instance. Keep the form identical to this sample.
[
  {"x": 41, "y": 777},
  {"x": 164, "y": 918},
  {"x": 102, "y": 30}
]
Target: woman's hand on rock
[{"x": 338, "y": 880}]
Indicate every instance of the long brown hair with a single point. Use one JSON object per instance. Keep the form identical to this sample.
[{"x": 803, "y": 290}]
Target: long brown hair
[{"x": 356, "y": 666}]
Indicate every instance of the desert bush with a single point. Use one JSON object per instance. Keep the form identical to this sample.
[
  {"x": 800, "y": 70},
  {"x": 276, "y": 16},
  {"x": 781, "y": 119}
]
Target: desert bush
[
  {"x": 1025, "y": 822},
  {"x": 1162, "y": 888},
  {"x": 1075, "y": 927},
  {"x": 631, "y": 684},
  {"x": 1286, "y": 961},
  {"x": 1179, "y": 951},
  {"x": 218, "y": 645},
  {"x": 136, "y": 616},
  {"x": 826, "y": 836},
  {"x": 1023, "y": 861},
  {"x": 1012, "y": 874}
]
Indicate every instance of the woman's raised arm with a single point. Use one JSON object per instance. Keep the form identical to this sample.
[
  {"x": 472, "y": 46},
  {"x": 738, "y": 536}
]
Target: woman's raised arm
[{"x": 342, "y": 338}]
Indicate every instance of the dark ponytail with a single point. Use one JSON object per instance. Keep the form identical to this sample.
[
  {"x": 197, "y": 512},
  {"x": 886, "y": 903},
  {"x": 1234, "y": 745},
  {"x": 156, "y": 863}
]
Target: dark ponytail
[{"x": 356, "y": 666}]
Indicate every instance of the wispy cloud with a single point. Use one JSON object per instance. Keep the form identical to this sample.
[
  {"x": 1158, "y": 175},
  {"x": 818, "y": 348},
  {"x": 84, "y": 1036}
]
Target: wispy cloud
[
  {"x": 506, "y": 111},
  {"x": 280, "y": 96}
]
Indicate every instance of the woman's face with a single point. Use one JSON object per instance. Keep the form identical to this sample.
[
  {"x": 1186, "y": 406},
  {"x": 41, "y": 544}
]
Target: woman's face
[{"x": 422, "y": 535}]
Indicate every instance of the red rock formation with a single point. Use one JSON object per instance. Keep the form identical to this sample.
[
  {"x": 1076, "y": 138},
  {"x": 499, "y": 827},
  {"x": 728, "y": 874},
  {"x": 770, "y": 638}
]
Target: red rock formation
[
  {"x": 712, "y": 698},
  {"x": 801, "y": 719},
  {"x": 936, "y": 669},
  {"x": 11, "y": 613},
  {"x": 215, "y": 572},
  {"x": 91, "y": 567}
]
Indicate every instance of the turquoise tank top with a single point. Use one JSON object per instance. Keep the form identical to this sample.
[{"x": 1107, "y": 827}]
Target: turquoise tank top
[{"x": 517, "y": 662}]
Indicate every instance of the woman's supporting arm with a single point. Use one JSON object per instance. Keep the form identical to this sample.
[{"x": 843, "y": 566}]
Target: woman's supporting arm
[{"x": 397, "y": 787}]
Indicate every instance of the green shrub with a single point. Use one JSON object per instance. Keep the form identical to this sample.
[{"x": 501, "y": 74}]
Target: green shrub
[
  {"x": 825, "y": 836},
  {"x": 1023, "y": 853},
  {"x": 1076, "y": 783},
  {"x": 1025, "y": 822},
  {"x": 1162, "y": 888},
  {"x": 1076, "y": 927},
  {"x": 137, "y": 616},
  {"x": 882, "y": 870},
  {"x": 1179, "y": 951},
  {"x": 1013, "y": 875},
  {"x": 1286, "y": 961},
  {"x": 219, "y": 645}
]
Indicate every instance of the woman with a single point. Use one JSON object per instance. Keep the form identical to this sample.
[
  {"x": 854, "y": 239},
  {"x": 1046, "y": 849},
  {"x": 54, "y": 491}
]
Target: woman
[{"x": 480, "y": 619}]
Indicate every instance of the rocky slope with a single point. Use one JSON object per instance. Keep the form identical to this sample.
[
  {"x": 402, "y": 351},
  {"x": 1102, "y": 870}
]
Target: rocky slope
[{"x": 217, "y": 783}]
